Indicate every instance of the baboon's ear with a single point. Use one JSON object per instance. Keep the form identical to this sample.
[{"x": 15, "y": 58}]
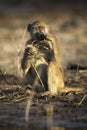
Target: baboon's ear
[{"x": 29, "y": 27}]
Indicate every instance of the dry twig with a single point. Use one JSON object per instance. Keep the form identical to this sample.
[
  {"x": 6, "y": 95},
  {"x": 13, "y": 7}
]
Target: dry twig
[{"x": 83, "y": 98}]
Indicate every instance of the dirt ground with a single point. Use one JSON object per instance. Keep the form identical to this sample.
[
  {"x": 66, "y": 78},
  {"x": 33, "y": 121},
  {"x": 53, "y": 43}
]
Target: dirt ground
[{"x": 65, "y": 111}]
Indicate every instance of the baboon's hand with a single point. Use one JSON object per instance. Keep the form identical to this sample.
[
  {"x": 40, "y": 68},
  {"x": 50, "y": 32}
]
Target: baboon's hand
[
  {"x": 40, "y": 37},
  {"x": 28, "y": 52}
]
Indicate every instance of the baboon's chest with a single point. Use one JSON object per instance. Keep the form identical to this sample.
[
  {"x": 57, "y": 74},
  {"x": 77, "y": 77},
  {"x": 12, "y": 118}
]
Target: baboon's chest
[{"x": 43, "y": 49}]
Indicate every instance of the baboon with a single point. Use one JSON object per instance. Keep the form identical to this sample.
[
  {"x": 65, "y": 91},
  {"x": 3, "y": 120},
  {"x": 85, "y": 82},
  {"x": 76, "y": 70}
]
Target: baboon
[{"x": 42, "y": 57}]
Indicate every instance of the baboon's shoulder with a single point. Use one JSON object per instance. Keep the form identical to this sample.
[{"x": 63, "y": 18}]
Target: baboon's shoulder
[{"x": 52, "y": 38}]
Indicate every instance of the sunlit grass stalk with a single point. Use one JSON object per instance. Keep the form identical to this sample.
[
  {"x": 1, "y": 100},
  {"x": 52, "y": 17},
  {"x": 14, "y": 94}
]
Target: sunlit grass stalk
[
  {"x": 77, "y": 73},
  {"x": 19, "y": 74},
  {"x": 29, "y": 101},
  {"x": 82, "y": 100},
  {"x": 42, "y": 84},
  {"x": 18, "y": 61}
]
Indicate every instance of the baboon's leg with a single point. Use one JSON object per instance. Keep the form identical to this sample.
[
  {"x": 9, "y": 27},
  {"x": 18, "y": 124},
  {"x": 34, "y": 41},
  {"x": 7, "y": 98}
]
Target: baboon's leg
[
  {"x": 55, "y": 78},
  {"x": 42, "y": 71}
]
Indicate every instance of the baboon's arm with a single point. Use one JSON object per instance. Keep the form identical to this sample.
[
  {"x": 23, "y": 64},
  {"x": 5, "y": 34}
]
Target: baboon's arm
[
  {"x": 25, "y": 63},
  {"x": 55, "y": 47}
]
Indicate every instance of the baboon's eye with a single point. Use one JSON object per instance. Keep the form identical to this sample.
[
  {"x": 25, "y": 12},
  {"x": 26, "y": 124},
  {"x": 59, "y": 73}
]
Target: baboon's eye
[
  {"x": 41, "y": 27},
  {"x": 34, "y": 29}
]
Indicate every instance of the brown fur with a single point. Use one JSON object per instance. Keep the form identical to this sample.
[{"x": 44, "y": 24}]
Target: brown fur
[
  {"x": 55, "y": 78},
  {"x": 43, "y": 51}
]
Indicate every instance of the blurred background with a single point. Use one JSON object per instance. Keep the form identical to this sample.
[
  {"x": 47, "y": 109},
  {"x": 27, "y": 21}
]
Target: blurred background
[{"x": 67, "y": 20}]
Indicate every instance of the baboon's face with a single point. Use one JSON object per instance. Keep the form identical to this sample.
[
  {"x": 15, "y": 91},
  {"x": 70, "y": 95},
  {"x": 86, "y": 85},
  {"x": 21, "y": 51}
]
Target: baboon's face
[{"x": 38, "y": 30}]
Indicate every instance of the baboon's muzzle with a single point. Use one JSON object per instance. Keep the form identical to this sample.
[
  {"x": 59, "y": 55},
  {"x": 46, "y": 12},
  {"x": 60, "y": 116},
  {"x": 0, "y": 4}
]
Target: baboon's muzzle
[{"x": 40, "y": 36}]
